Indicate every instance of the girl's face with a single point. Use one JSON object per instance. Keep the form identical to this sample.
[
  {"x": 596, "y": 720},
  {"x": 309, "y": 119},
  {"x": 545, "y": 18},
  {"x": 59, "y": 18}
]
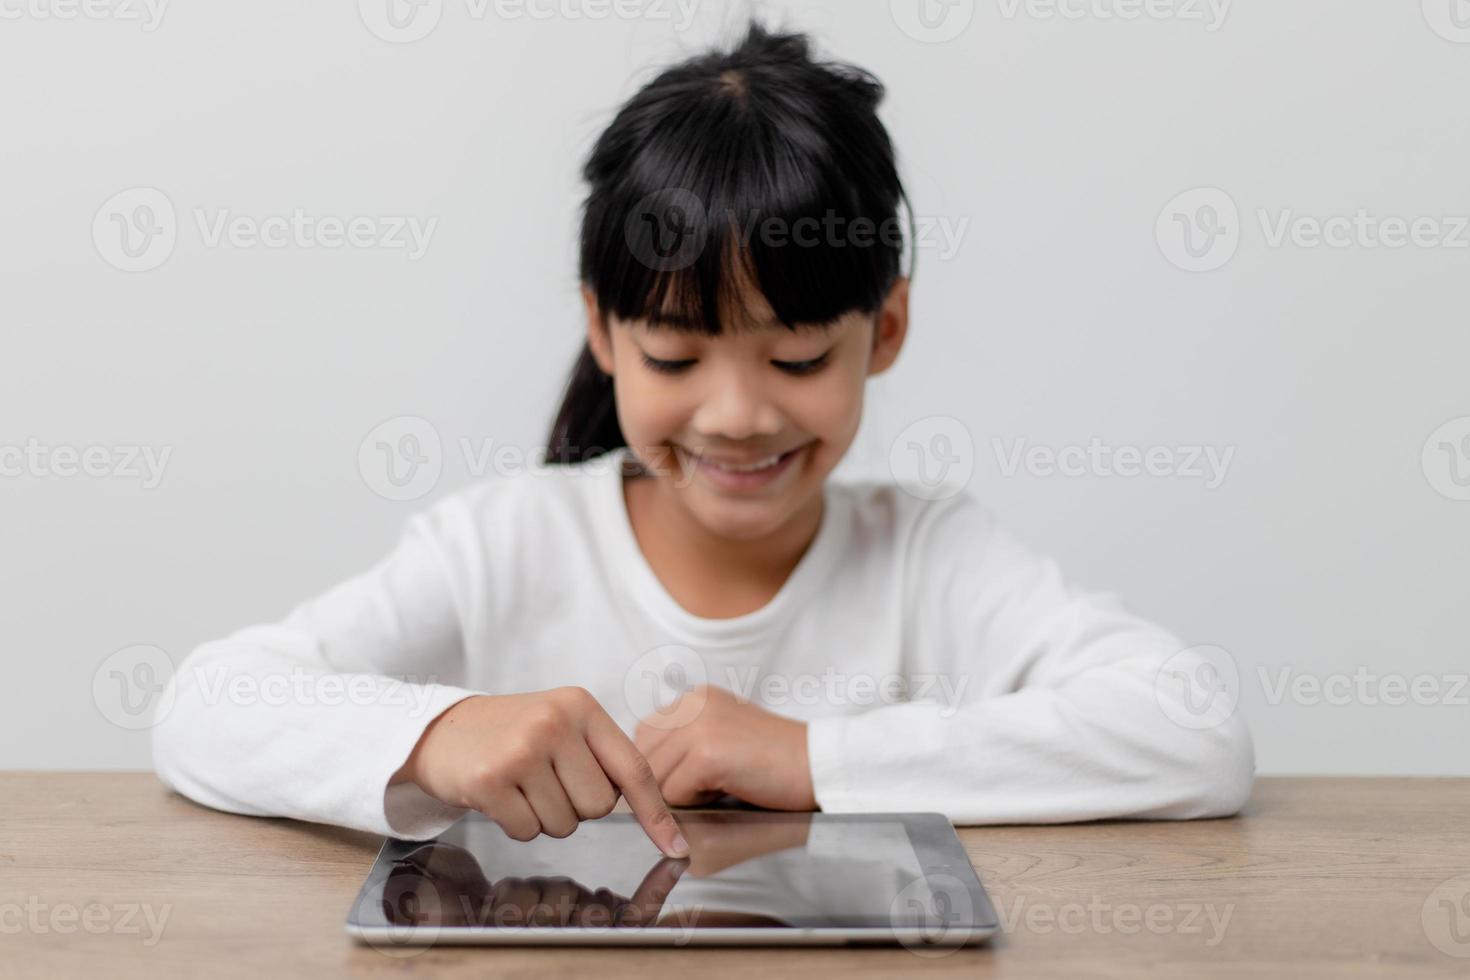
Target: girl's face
[{"x": 744, "y": 428}]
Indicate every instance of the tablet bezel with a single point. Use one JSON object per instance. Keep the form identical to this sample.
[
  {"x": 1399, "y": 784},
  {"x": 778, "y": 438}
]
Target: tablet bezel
[{"x": 935, "y": 844}]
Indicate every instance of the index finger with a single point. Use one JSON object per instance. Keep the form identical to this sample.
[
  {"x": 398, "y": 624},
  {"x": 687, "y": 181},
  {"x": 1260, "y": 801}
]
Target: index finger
[
  {"x": 652, "y": 892},
  {"x": 633, "y": 776}
]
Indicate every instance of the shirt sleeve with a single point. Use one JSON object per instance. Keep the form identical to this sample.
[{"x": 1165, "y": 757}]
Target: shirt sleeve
[
  {"x": 310, "y": 717},
  {"x": 1055, "y": 705}
]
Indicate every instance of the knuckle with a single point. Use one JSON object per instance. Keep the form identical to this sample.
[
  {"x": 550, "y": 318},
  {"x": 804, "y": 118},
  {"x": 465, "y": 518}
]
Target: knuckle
[
  {"x": 519, "y": 759},
  {"x": 560, "y": 830},
  {"x": 677, "y": 796},
  {"x": 574, "y": 698},
  {"x": 521, "y": 832},
  {"x": 601, "y": 806},
  {"x": 641, "y": 770},
  {"x": 703, "y": 755},
  {"x": 513, "y": 824},
  {"x": 545, "y": 720},
  {"x": 706, "y": 760},
  {"x": 486, "y": 778}
]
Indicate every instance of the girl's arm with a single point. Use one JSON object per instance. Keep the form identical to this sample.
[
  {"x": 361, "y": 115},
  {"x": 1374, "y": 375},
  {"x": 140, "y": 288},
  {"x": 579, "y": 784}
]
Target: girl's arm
[
  {"x": 1062, "y": 712},
  {"x": 311, "y": 717}
]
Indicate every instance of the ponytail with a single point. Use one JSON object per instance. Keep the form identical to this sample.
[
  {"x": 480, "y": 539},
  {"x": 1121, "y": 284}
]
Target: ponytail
[{"x": 587, "y": 424}]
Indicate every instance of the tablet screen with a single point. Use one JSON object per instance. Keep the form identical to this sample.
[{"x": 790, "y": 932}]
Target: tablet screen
[{"x": 756, "y": 869}]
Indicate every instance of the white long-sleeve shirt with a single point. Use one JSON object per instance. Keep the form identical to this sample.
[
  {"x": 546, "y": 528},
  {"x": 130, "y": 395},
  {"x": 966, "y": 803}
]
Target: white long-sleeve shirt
[{"x": 940, "y": 665}]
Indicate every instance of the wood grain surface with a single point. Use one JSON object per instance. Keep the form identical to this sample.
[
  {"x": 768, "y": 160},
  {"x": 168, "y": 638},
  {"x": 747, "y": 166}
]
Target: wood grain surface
[{"x": 112, "y": 875}]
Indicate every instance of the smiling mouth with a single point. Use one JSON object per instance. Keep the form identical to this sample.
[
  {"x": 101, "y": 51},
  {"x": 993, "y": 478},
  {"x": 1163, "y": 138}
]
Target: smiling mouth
[
  {"x": 746, "y": 475},
  {"x": 754, "y": 466}
]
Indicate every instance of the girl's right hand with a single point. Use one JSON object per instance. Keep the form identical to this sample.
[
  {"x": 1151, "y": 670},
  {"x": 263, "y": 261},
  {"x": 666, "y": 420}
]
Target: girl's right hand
[{"x": 539, "y": 763}]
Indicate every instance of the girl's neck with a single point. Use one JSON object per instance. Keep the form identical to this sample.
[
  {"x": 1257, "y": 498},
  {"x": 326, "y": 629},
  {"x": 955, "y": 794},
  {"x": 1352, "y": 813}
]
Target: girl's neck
[{"x": 712, "y": 576}]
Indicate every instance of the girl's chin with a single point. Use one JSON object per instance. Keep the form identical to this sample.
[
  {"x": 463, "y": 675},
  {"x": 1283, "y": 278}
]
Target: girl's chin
[{"x": 717, "y": 520}]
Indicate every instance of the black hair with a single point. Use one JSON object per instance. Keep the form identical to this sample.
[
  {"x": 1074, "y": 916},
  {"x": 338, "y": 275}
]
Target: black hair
[{"x": 706, "y": 178}]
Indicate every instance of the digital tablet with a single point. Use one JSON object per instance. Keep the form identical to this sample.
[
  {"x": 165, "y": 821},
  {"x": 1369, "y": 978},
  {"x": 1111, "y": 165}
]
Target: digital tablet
[{"x": 752, "y": 877}]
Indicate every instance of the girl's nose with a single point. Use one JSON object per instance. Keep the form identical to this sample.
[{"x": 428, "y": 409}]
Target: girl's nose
[{"x": 735, "y": 408}]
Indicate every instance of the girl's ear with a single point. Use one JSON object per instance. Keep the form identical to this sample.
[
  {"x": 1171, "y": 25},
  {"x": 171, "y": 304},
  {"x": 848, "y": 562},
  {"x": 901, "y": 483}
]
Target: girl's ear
[
  {"x": 599, "y": 340},
  {"x": 891, "y": 327}
]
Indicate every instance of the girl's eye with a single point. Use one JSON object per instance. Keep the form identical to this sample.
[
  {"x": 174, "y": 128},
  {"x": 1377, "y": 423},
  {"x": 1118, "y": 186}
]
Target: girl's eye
[
  {"x": 790, "y": 367},
  {"x": 802, "y": 367},
  {"x": 666, "y": 367}
]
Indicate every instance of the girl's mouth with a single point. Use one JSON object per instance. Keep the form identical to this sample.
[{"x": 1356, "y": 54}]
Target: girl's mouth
[{"x": 746, "y": 477}]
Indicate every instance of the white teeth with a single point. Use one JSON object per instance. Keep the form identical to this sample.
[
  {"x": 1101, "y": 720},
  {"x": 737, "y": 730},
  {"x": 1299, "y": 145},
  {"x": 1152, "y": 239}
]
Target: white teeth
[
  {"x": 763, "y": 464},
  {"x": 731, "y": 468}
]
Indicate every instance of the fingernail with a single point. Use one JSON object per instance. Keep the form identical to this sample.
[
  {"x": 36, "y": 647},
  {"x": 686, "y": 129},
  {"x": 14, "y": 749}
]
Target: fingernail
[{"x": 680, "y": 846}]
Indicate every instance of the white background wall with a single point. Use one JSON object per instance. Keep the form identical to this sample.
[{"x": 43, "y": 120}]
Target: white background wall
[{"x": 1053, "y": 144}]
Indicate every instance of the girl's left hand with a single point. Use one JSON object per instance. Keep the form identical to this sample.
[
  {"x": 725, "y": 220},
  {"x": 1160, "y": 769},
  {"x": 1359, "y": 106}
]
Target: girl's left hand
[{"x": 709, "y": 743}]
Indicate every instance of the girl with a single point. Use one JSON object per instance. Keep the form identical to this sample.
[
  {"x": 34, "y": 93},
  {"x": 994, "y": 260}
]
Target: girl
[{"x": 683, "y": 606}]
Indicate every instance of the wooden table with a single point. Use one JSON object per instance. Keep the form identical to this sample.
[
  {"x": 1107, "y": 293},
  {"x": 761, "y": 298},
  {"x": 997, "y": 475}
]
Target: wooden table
[{"x": 1320, "y": 877}]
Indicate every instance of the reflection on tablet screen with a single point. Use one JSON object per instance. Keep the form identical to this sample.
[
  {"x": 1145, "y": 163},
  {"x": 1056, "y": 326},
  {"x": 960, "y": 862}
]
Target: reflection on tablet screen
[{"x": 744, "y": 869}]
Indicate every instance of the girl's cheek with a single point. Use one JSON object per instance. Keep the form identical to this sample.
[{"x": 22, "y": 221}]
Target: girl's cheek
[{"x": 832, "y": 407}]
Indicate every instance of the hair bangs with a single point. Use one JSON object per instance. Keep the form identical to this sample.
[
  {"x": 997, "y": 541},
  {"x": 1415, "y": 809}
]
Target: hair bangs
[{"x": 751, "y": 188}]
